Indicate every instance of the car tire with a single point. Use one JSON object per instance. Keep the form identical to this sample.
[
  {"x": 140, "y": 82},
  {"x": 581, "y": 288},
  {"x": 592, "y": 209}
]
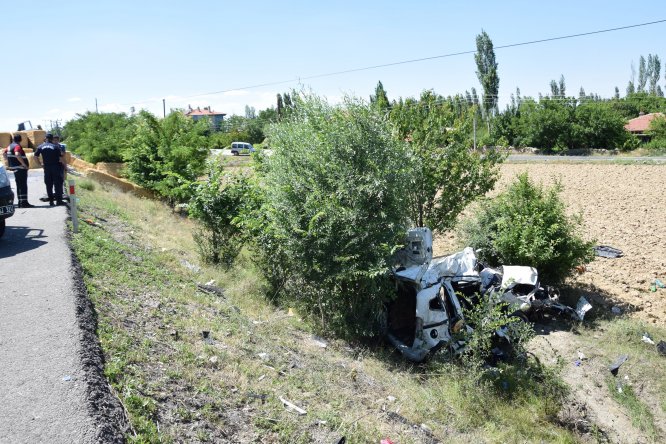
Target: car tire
[{"x": 2, "y": 227}]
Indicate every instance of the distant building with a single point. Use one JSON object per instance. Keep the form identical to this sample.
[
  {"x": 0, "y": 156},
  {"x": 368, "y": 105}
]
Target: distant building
[
  {"x": 641, "y": 124},
  {"x": 197, "y": 113}
]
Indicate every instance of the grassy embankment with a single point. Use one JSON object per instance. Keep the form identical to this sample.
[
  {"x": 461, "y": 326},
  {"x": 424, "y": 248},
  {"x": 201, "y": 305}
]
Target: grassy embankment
[{"x": 179, "y": 386}]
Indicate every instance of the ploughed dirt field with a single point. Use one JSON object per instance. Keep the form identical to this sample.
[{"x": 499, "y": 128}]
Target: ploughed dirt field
[{"x": 623, "y": 206}]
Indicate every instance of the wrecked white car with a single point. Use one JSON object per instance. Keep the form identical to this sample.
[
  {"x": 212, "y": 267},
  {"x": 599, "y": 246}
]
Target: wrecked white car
[{"x": 427, "y": 313}]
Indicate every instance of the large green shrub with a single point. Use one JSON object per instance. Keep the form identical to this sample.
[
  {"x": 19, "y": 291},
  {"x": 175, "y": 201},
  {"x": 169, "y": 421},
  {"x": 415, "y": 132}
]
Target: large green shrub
[
  {"x": 528, "y": 225},
  {"x": 99, "y": 137},
  {"x": 336, "y": 206},
  {"x": 167, "y": 155}
]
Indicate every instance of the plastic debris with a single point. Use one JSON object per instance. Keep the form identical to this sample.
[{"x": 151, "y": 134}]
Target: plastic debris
[
  {"x": 190, "y": 266},
  {"x": 582, "y": 307},
  {"x": 615, "y": 366},
  {"x": 578, "y": 363},
  {"x": 319, "y": 342},
  {"x": 659, "y": 284},
  {"x": 386, "y": 441},
  {"x": 67, "y": 378},
  {"x": 293, "y": 406},
  {"x": 607, "y": 252},
  {"x": 616, "y": 310},
  {"x": 646, "y": 338}
]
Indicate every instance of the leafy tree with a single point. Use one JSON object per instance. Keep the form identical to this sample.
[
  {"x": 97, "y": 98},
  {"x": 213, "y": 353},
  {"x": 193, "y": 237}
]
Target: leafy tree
[
  {"x": 448, "y": 174},
  {"x": 335, "y": 207},
  {"x": 380, "y": 98},
  {"x": 487, "y": 72},
  {"x": 562, "y": 87},
  {"x": 528, "y": 225},
  {"x": 250, "y": 112},
  {"x": 99, "y": 137},
  {"x": 167, "y": 155}
]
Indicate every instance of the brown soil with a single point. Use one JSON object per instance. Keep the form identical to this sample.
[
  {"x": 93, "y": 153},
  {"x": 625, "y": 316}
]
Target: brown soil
[{"x": 623, "y": 206}]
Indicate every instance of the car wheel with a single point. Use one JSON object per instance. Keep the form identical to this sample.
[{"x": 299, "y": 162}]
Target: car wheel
[{"x": 2, "y": 227}]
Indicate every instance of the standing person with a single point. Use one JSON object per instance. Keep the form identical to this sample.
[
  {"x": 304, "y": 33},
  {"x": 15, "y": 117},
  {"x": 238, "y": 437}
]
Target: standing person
[
  {"x": 52, "y": 160},
  {"x": 17, "y": 162},
  {"x": 63, "y": 148}
]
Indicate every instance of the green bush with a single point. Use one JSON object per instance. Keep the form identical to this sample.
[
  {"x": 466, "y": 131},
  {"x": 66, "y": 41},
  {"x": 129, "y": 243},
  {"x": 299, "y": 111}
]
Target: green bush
[
  {"x": 167, "y": 155},
  {"x": 218, "y": 204},
  {"x": 527, "y": 225},
  {"x": 336, "y": 206},
  {"x": 99, "y": 137}
]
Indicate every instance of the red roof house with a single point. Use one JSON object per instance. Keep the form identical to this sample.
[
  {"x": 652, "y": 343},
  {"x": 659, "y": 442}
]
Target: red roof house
[
  {"x": 641, "y": 124},
  {"x": 199, "y": 113}
]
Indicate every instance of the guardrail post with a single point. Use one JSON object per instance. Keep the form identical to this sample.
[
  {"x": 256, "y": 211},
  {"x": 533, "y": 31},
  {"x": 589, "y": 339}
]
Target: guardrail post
[{"x": 72, "y": 205}]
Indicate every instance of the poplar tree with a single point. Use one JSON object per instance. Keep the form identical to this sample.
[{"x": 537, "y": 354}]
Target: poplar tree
[
  {"x": 380, "y": 99},
  {"x": 487, "y": 72},
  {"x": 642, "y": 75}
]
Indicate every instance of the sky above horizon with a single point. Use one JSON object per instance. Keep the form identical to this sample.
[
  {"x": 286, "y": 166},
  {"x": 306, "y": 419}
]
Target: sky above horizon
[{"x": 65, "y": 55}]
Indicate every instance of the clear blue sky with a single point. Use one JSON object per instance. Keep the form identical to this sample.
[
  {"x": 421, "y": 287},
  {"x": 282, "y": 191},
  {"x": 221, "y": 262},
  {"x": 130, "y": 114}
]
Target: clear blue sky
[{"x": 60, "y": 56}]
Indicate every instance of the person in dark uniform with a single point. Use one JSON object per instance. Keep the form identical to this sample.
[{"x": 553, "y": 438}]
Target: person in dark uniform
[
  {"x": 52, "y": 160},
  {"x": 63, "y": 148},
  {"x": 17, "y": 162}
]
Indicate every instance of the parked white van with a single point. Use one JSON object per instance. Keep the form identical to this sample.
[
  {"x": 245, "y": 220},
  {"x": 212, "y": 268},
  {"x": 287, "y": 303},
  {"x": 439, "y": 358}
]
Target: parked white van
[{"x": 238, "y": 148}]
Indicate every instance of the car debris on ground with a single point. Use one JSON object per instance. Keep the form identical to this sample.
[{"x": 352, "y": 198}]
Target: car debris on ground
[
  {"x": 427, "y": 313},
  {"x": 607, "y": 252}
]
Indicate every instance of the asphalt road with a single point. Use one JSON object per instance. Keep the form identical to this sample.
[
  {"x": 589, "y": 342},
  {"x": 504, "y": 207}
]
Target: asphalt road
[{"x": 42, "y": 382}]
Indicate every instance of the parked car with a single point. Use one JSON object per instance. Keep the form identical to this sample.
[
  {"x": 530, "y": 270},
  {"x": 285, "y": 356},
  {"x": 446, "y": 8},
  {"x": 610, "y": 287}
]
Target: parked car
[
  {"x": 238, "y": 148},
  {"x": 6, "y": 199}
]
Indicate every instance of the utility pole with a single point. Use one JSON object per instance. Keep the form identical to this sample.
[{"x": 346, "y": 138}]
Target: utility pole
[
  {"x": 164, "y": 108},
  {"x": 96, "y": 110}
]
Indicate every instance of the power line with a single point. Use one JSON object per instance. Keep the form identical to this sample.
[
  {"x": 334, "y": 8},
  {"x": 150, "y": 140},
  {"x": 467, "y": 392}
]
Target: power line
[{"x": 423, "y": 59}]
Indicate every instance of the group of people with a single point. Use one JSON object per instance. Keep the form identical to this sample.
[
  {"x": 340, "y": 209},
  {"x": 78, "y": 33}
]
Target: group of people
[{"x": 52, "y": 155}]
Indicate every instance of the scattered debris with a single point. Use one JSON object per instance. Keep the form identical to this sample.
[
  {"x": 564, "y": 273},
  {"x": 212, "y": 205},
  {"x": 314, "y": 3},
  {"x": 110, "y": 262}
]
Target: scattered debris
[
  {"x": 174, "y": 334},
  {"x": 616, "y": 310},
  {"x": 391, "y": 398},
  {"x": 190, "y": 266},
  {"x": 92, "y": 223},
  {"x": 319, "y": 342},
  {"x": 659, "y": 284},
  {"x": 607, "y": 252},
  {"x": 67, "y": 378},
  {"x": 578, "y": 363},
  {"x": 205, "y": 334},
  {"x": 292, "y": 406},
  {"x": 213, "y": 359},
  {"x": 615, "y": 366},
  {"x": 386, "y": 441},
  {"x": 646, "y": 338},
  {"x": 582, "y": 307},
  {"x": 264, "y": 356},
  {"x": 211, "y": 289},
  {"x": 661, "y": 347},
  {"x": 261, "y": 378},
  {"x": 342, "y": 439}
]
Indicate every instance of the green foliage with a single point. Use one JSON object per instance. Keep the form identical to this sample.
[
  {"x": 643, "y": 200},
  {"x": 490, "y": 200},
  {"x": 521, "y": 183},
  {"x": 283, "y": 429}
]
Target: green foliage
[
  {"x": 380, "y": 98},
  {"x": 528, "y": 225},
  {"x": 448, "y": 174},
  {"x": 486, "y": 318},
  {"x": 487, "y": 72},
  {"x": 335, "y": 208},
  {"x": 167, "y": 155},
  {"x": 218, "y": 204},
  {"x": 87, "y": 185},
  {"x": 99, "y": 137}
]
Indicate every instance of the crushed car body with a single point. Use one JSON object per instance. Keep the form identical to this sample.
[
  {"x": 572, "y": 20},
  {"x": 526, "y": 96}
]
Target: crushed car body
[{"x": 427, "y": 313}]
